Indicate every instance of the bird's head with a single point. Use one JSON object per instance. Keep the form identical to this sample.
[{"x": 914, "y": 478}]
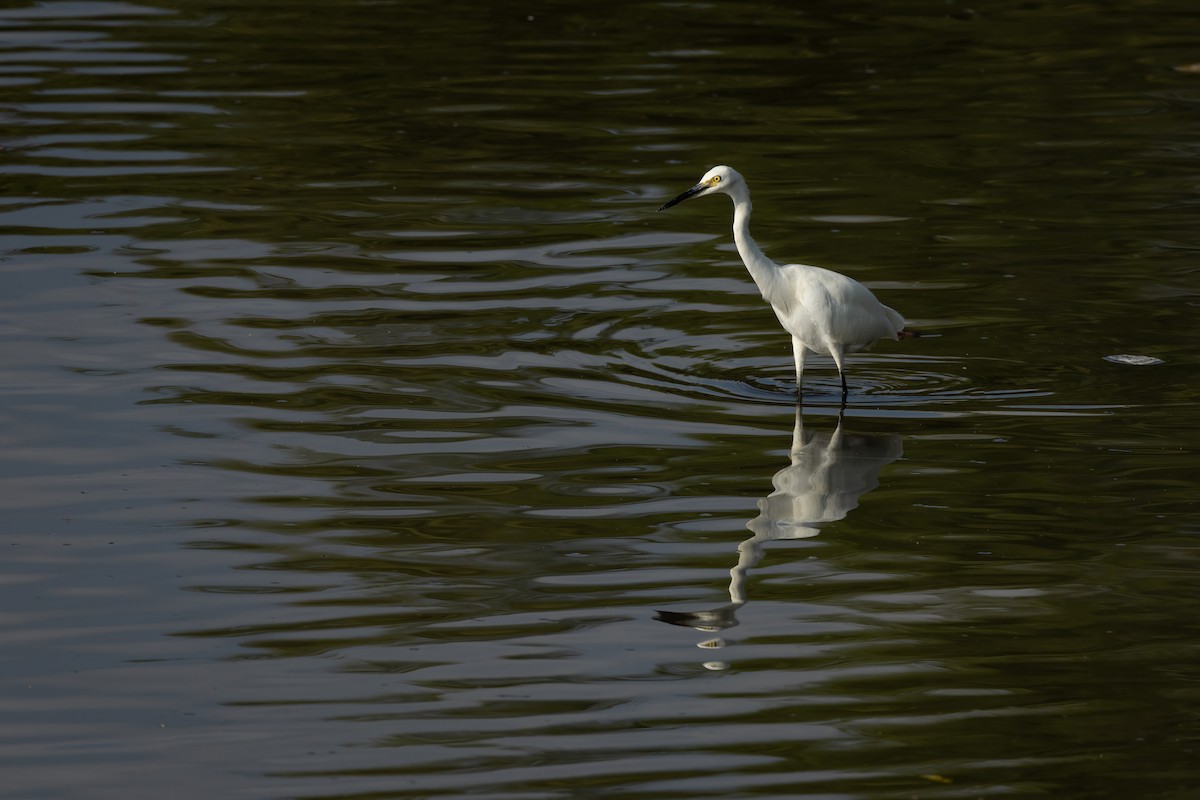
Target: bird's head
[{"x": 721, "y": 178}]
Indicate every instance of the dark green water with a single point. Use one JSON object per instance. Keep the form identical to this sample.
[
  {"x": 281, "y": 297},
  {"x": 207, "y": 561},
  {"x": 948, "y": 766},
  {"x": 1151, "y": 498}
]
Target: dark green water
[{"x": 364, "y": 425}]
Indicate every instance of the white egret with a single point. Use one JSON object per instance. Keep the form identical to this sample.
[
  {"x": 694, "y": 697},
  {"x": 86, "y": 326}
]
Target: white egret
[{"x": 825, "y": 312}]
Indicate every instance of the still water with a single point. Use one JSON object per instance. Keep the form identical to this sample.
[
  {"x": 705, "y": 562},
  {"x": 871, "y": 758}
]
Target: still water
[{"x": 367, "y": 434}]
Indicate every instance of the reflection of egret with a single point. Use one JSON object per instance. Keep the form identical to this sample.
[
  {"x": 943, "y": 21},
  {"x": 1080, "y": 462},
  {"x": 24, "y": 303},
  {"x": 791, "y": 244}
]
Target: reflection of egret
[
  {"x": 826, "y": 312},
  {"x": 828, "y": 473}
]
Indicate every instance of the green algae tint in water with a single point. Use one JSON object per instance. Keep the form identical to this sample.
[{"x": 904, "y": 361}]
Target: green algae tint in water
[{"x": 366, "y": 429}]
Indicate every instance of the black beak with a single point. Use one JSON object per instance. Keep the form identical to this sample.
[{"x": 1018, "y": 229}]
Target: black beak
[{"x": 692, "y": 192}]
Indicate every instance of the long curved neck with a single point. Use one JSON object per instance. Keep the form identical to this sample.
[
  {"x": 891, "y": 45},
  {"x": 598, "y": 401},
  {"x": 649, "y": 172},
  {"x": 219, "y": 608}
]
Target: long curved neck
[{"x": 761, "y": 268}]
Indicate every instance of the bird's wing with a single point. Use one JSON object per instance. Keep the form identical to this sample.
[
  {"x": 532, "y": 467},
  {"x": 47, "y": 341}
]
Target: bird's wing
[{"x": 825, "y": 307}]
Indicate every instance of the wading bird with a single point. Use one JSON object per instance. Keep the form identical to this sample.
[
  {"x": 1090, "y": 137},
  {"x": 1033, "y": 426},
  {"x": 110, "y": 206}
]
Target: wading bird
[{"x": 825, "y": 312}]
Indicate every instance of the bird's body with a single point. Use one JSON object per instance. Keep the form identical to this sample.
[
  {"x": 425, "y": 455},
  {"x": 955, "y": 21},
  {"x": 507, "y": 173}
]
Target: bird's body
[{"x": 825, "y": 312}]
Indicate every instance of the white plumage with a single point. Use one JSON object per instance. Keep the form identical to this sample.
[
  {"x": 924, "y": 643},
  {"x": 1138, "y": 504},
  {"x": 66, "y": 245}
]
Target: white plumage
[{"x": 825, "y": 312}]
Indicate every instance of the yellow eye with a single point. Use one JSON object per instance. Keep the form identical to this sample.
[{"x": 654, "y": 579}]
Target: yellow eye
[{"x": 716, "y": 178}]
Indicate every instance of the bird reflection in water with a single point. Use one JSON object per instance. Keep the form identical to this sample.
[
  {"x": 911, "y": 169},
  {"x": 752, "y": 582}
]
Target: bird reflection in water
[{"x": 828, "y": 473}]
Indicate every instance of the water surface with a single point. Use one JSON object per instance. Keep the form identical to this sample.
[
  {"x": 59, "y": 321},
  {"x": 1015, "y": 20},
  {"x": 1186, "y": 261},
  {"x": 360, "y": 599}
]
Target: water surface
[{"x": 368, "y": 434}]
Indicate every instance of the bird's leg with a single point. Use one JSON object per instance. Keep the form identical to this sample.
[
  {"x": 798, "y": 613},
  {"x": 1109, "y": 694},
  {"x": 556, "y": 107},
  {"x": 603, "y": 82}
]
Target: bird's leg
[
  {"x": 836, "y": 352},
  {"x": 798, "y": 351}
]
